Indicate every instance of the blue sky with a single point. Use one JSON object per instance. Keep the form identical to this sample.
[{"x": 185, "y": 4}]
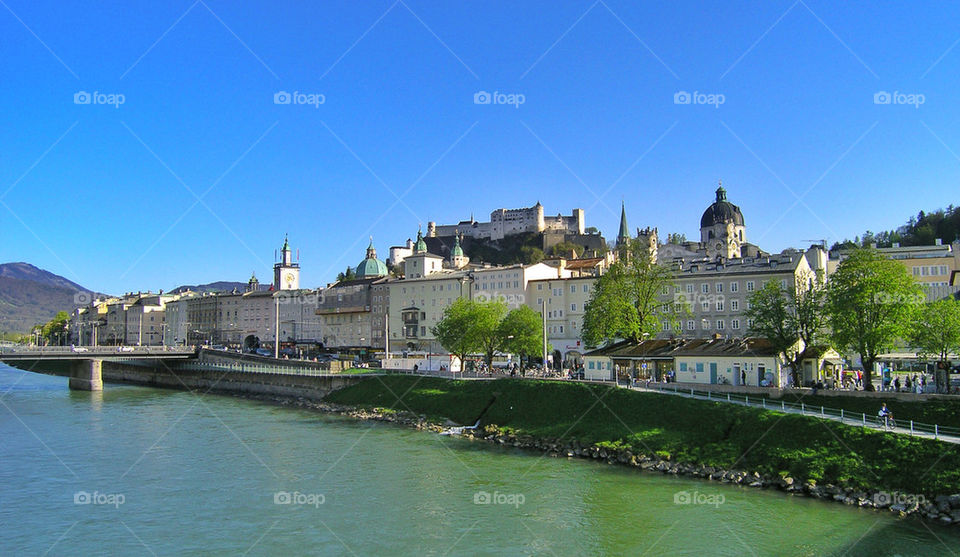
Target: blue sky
[{"x": 198, "y": 174}]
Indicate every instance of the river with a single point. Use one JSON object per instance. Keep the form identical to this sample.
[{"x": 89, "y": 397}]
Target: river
[{"x": 139, "y": 471}]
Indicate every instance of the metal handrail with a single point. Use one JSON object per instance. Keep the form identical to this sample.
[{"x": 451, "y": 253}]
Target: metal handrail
[{"x": 910, "y": 427}]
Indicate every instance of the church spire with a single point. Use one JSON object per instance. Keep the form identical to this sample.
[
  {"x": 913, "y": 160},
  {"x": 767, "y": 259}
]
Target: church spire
[{"x": 624, "y": 235}]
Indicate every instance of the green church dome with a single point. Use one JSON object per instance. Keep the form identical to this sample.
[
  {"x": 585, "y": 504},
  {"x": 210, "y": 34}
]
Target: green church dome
[{"x": 371, "y": 266}]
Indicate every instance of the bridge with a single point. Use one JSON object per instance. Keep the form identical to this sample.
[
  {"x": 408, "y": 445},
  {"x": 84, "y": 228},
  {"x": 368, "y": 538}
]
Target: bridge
[{"x": 84, "y": 364}]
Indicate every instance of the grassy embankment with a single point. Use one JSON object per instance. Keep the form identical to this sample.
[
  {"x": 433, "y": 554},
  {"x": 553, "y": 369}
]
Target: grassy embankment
[{"x": 685, "y": 430}]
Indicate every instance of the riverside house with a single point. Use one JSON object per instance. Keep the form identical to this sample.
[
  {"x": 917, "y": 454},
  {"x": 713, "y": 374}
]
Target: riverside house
[{"x": 739, "y": 361}]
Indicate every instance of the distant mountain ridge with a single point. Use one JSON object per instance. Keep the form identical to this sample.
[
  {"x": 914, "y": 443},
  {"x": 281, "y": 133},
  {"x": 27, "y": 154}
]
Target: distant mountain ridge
[
  {"x": 26, "y": 271},
  {"x": 218, "y": 286},
  {"x": 30, "y": 295}
]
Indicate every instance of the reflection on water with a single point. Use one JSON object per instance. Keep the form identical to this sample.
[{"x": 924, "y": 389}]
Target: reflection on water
[{"x": 171, "y": 472}]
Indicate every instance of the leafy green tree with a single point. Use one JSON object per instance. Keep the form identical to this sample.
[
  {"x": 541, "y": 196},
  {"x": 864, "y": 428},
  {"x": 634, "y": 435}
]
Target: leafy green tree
[
  {"x": 522, "y": 333},
  {"x": 871, "y": 301},
  {"x": 626, "y": 302},
  {"x": 54, "y": 330},
  {"x": 347, "y": 275},
  {"x": 487, "y": 317},
  {"x": 936, "y": 332},
  {"x": 564, "y": 248},
  {"x": 529, "y": 255},
  {"x": 470, "y": 326},
  {"x": 791, "y": 319}
]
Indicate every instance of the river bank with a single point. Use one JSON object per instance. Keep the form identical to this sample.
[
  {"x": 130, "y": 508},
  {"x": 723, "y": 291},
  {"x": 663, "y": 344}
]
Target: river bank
[{"x": 649, "y": 432}]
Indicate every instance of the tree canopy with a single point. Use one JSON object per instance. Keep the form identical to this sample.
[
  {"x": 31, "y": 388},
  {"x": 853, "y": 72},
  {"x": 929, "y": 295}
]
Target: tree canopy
[
  {"x": 522, "y": 332},
  {"x": 871, "y": 301},
  {"x": 627, "y": 301},
  {"x": 791, "y": 319},
  {"x": 936, "y": 332}
]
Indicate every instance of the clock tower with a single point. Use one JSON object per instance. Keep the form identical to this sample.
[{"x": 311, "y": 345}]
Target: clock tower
[{"x": 286, "y": 273}]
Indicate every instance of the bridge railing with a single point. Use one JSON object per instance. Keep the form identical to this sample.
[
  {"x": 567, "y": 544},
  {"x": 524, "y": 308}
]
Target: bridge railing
[
  {"x": 862, "y": 419},
  {"x": 93, "y": 350}
]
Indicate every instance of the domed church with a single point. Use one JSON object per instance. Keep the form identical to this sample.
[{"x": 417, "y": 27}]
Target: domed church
[
  {"x": 371, "y": 266},
  {"x": 722, "y": 232}
]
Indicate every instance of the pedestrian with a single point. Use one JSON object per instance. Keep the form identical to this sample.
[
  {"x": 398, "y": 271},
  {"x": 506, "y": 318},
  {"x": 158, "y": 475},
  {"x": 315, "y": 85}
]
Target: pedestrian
[
  {"x": 906, "y": 383},
  {"x": 896, "y": 384}
]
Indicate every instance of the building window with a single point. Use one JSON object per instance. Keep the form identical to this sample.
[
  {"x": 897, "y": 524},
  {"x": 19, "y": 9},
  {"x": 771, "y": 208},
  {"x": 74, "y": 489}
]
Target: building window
[
  {"x": 573, "y": 288},
  {"x": 705, "y": 306},
  {"x": 719, "y": 305},
  {"x": 719, "y": 324},
  {"x": 749, "y": 286},
  {"x": 719, "y": 287},
  {"x": 691, "y": 325},
  {"x": 735, "y": 324},
  {"x": 705, "y": 288},
  {"x": 705, "y": 324},
  {"x": 734, "y": 286},
  {"x": 749, "y": 323},
  {"x": 734, "y": 305},
  {"x": 689, "y": 289},
  {"x": 573, "y": 307}
]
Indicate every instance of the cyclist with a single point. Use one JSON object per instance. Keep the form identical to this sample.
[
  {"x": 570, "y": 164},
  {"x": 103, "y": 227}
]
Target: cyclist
[{"x": 885, "y": 415}]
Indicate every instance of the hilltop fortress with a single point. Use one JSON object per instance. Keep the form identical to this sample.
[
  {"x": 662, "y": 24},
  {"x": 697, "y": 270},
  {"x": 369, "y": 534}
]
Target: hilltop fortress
[{"x": 504, "y": 222}]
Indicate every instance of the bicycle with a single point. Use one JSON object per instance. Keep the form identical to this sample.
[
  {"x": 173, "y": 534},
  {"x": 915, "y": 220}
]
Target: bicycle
[{"x": 886, "y": 422}]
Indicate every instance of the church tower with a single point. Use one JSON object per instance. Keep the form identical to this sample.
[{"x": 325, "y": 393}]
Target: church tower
[
  {"x": 722, "y": 232},
  {"x": 286, "y": 273}
]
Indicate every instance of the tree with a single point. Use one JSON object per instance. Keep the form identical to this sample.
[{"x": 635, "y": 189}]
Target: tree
[
  {"x": 565, "y": 248},
  {"x": 676, "y": 238},
  {"x": 346, "y": 275},
  {"x": 790, "y": 319},
  {"x": 486, "y": 319},
  {"x": 53, "y": 330},
  {"x": 469, "y": 326},
  {"x": 870, "y": 304},
  {"x": 522, "y": 333},
  {"x": 626, "y": 301},
  {"x": 936, "y": 332}
]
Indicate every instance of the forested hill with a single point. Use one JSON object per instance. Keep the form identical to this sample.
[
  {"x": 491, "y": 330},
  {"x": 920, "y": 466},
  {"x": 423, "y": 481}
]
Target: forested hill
[{"x": 921, "y": 230}]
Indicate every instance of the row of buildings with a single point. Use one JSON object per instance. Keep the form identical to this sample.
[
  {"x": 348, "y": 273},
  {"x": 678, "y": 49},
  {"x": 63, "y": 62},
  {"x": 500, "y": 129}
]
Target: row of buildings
[{"x": 376, "y": 311}]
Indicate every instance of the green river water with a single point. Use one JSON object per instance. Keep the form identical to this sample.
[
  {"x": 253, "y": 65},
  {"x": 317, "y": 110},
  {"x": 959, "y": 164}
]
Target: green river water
[{"x": 138, "y": 471}]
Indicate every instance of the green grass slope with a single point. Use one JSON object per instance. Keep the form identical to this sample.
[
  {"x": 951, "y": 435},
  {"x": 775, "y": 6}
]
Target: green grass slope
[{"x": 692, "y": 431}]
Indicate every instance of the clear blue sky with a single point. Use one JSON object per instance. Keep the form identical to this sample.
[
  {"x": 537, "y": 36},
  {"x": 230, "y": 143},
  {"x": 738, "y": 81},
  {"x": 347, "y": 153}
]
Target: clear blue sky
[{"x": 107, "y": 196}]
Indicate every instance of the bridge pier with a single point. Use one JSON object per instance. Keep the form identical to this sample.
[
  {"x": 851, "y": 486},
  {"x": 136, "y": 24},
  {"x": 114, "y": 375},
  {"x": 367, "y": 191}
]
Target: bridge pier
[{"x": 86, "y": 375}]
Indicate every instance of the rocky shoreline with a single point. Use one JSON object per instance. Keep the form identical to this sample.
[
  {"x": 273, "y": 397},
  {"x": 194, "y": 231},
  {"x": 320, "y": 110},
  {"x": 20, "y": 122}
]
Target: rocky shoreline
[{"x": 944, "y": 509}]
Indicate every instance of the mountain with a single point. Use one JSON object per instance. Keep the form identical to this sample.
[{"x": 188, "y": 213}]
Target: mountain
[
  {"x": 29, "y": 296},
  {"x": 26, "y": 271},
  {"x": 219, "y": 286}
]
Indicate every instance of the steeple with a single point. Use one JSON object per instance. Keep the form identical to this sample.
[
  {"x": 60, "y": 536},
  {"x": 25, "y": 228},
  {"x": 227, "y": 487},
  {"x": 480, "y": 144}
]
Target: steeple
[
  {"x": 624, "y": 235},
  {"x": 371, "y": 251},
  {"x": 457, "y": 250}
]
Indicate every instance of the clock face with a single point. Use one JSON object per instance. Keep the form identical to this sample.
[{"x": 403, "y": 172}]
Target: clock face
[{"x": 289, "y": 278}]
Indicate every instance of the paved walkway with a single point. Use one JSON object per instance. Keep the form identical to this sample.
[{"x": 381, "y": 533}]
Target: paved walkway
[{"x": 857, "y": 421}]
